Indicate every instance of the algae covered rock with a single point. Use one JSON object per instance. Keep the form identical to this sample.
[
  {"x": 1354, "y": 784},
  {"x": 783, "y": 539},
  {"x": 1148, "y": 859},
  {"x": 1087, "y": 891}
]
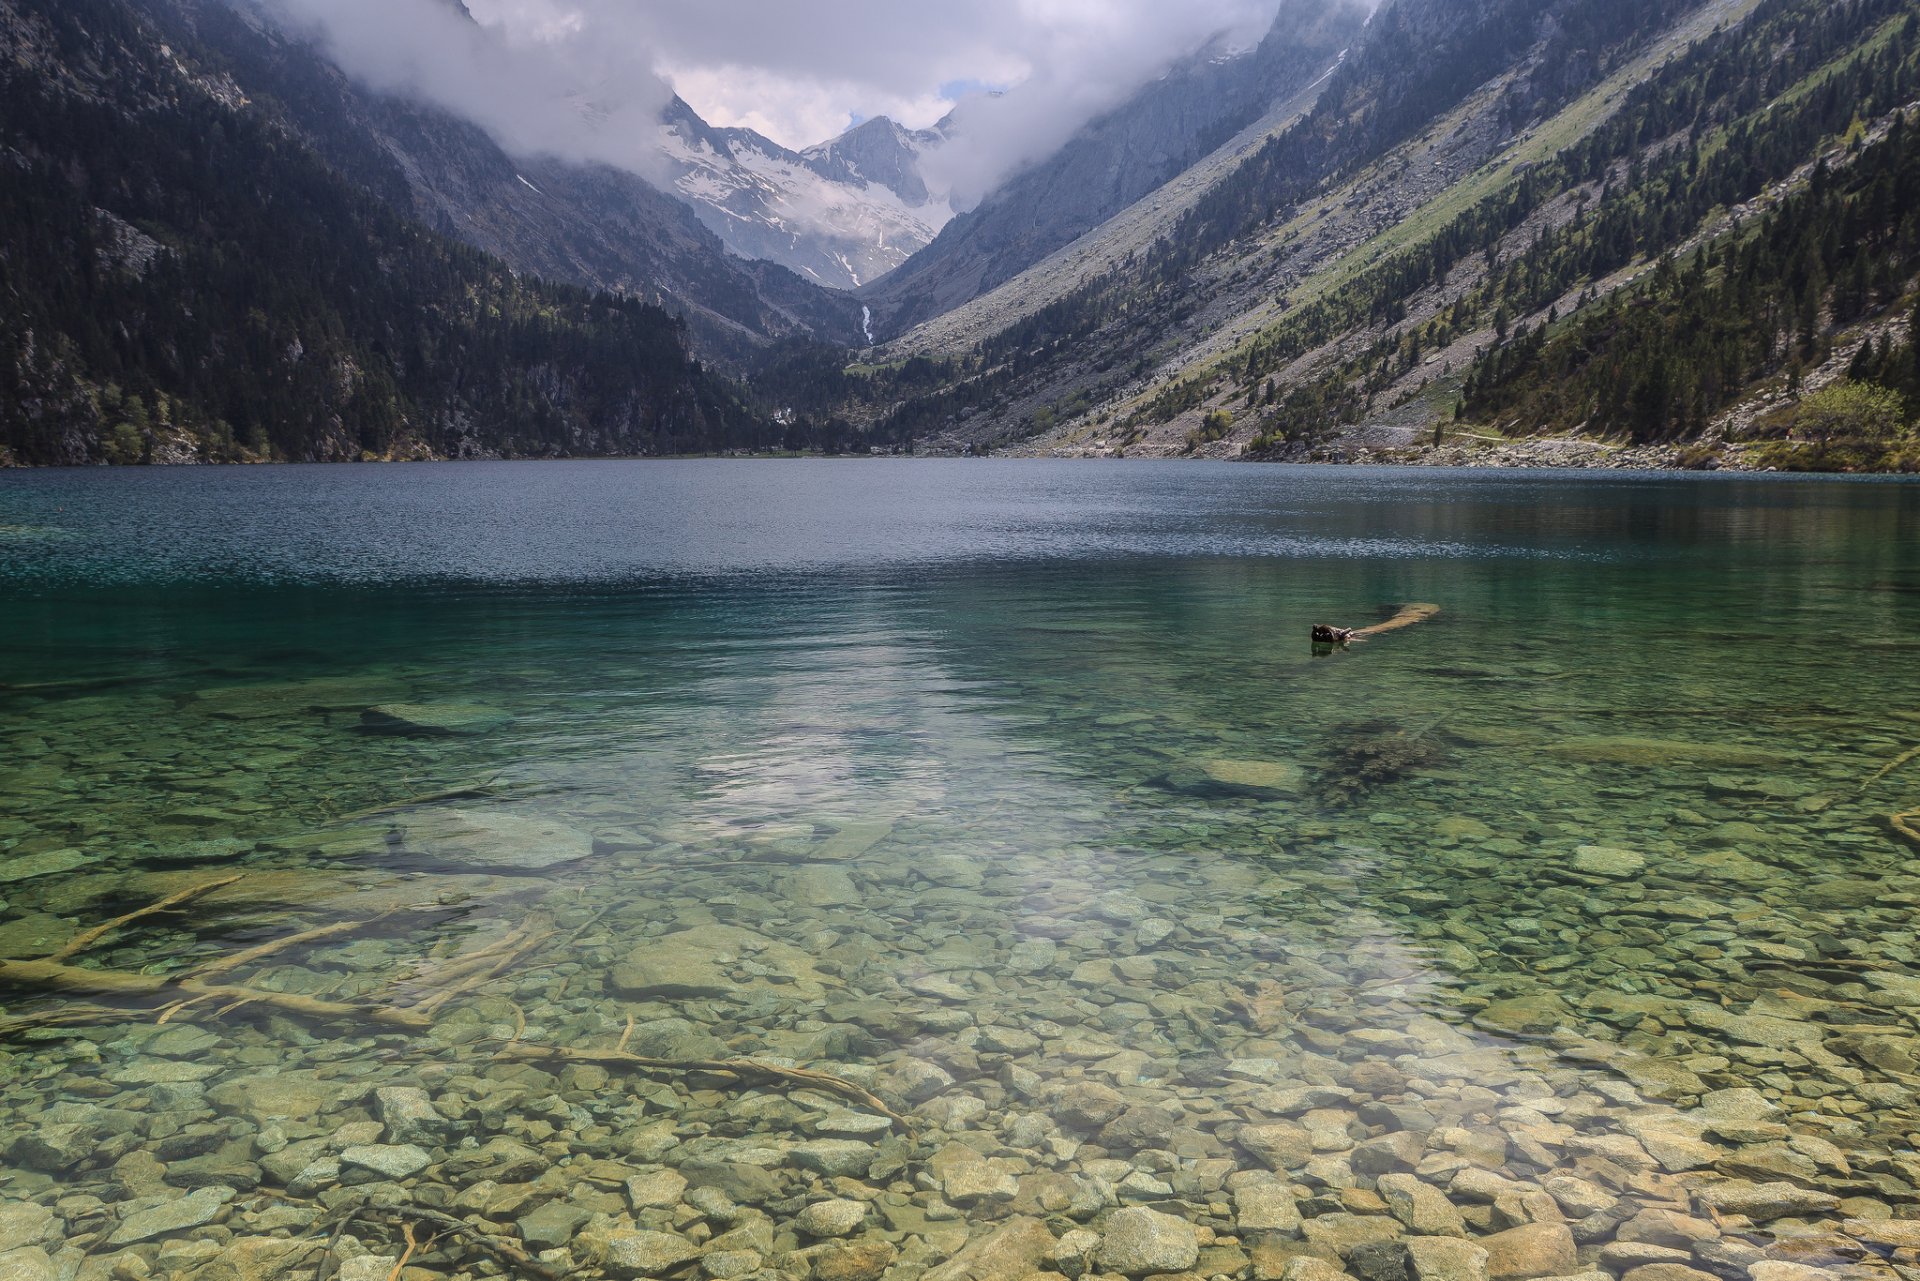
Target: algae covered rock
[
  {"x": 24, "y": 867},
  {"x": 702, "y": 963},
  {"x": 1261, "y": 780}
]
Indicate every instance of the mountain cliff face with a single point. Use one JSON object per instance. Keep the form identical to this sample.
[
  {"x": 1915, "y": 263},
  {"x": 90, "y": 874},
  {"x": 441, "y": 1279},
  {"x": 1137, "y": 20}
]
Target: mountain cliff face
[
  {"x": 1469, "y": 223},
  {"x": 582, "y": 224},
  {"x": 1124, "y": 155},
  {"x": 187, "y": 280},
  {"x": 840, "y": 214}
]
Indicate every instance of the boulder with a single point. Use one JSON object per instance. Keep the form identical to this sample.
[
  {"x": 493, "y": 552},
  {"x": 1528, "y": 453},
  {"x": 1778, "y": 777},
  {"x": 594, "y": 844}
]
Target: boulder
[
  {"x": 835, "y": 1218},
  {"x": 1531, "y": 1250},
  {"x": 29, "y": 1263},
  {"x": 1269, "y": 780},
  {"x": 1602, "y": 860},
  {"x": 177, "y": 1215},
  {"x": 1011, "y": 1252},
  {"x": 498, "y": 840},
  {"x": 1446, "y": 1258},
  {"x": 1139, "y": 1242},
  {"x": 702, "y": 963},
  {"x": 647, "y": 1254},
  {"x": 1282, "y": 1145},
  {"x": 1422, "y": 1207},
  {"x": 1763, "y": 1201}
]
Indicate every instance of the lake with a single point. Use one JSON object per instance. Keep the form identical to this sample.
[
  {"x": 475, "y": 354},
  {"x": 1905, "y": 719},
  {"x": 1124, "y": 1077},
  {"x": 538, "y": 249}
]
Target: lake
[{"x": 1132, "y": 933}]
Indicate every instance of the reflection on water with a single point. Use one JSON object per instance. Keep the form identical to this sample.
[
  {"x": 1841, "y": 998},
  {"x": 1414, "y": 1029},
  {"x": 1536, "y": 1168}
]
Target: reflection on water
[{"x": 1566, "y": 933}]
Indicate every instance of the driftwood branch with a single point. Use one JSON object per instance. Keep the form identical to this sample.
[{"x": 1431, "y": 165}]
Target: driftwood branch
[
  {"x": 740, "y": 1069},
  {"x": 1911, "y": 754},
  {"x": 1324, "y": 634},
  {"x": 1905, "y": 825},
  {"x": 273, "y": 947},
  {"x": 51, "y": 976},
  {"x": 87, "y": 938},
  {"x": 505, "y": 1251}
]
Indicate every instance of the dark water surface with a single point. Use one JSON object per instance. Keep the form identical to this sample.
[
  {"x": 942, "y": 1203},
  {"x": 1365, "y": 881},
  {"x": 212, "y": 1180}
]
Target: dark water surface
[{"x": 1578, "y": 920}]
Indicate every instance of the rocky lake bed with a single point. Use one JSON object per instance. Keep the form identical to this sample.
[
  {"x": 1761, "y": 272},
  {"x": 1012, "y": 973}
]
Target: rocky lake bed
[{"x": 1027, "y": 924}]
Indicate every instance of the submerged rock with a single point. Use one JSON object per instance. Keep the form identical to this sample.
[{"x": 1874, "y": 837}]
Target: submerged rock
[
  {"x": 1600, "y": 860},
  {"x": 1011, "y": 1252},
  {"x": 22, "y": 867},
  {"x": 178, "y": 1215},
  {"x": 1138, "y": 1241},
  {"x": 499, "y": 840},
  {"x": 703, "y": 963},
  {"x": 647, "y": 1254}
]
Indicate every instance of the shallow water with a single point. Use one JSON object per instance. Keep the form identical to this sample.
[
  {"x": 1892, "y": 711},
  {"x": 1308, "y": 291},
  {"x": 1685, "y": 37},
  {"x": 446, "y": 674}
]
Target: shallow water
[{"x": 979, "y": 785}]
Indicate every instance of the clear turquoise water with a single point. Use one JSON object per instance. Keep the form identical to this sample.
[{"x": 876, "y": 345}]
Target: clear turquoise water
[{"x": 1100, "y": 791}]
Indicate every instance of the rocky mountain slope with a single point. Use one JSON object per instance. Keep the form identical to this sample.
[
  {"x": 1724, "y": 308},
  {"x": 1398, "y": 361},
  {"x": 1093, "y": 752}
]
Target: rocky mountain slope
[
  {"x": 840, "y": 214},
  {"x": 1475, "y": 171},
  {"x": 590, "y": 225},
  {"x": 187, "y": 280},
  {"x": 1130, "y": 152}
]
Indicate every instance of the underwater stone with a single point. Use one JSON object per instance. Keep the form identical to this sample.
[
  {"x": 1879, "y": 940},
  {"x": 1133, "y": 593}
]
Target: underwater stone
[
  {"x": 23, "y": 1223},
  {"x": 1138, "y": 1241},
  {"x": 1256, "y": 778},
  {"x": 853, "y": 840},
  {"x": 408, "y": 1114},
  {"x": 657, "y": 1190},
  {"x": 835, "y": 1218},
  {"x": 1265, "y": 1207},
  {"x": 1601, "y": 860},
  {"x": 189, "y": 1211},
  {"x": 47, "y": 863},
  {"x": 647, "y": 1254},
  {"x": 1763, "y": 1201},
  {"x": 1445, "y": 1258},
  {"x": 834, "y": 1157},
  {"x": 392, "y": 1160},
  {"x": 1531, "y": 1250},
  {"x": 1011, "y": 1252},
  {"x": 857, "y": 1261},
  {"x": 497, "y": 840},
  {"x": 29, "y": 1263},
  {"x": 1423, "y": 1208}
]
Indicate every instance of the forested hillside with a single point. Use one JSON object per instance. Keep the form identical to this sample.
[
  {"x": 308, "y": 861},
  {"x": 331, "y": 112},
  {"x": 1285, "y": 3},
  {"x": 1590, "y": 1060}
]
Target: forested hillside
[
  {"x": 186, "y": 281},
  {"x": 1333, "y": 297}
]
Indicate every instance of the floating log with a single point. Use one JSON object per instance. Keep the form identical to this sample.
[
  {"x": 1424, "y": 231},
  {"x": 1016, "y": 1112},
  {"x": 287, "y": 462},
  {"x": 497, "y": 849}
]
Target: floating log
[{"x": 1324, "y": 634}]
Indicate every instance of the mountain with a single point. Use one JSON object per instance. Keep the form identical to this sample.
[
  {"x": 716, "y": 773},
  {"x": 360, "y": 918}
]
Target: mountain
[
  {"x": 1130, "y": 152},
  {"x": 1494, "y": 218},
  {"x": 840, "y": 214},
  {"x": 584, "y": 224},
  {"x": 189, "y": 280}
]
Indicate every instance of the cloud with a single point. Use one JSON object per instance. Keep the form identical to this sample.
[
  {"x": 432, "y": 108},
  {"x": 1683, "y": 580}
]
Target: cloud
[
  {"x": 585, "y": 79},
  {"x": 546, "y": 85},
  {"x": 1093, "y": 54}
]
